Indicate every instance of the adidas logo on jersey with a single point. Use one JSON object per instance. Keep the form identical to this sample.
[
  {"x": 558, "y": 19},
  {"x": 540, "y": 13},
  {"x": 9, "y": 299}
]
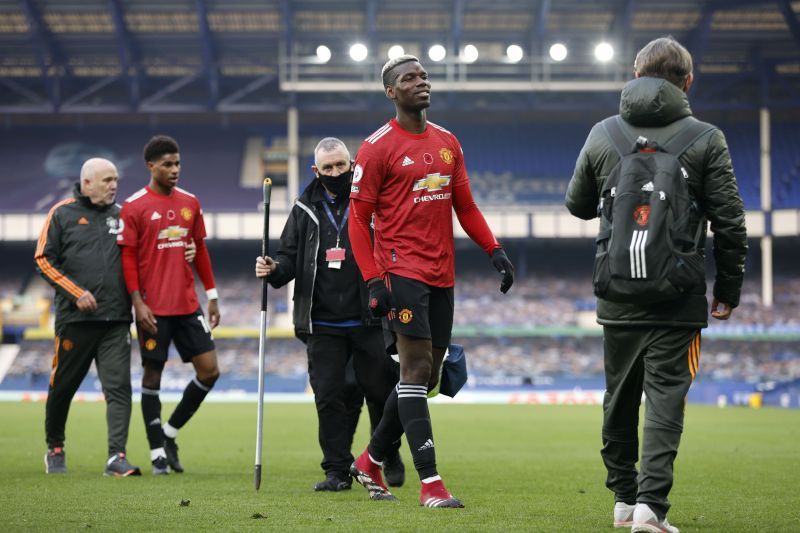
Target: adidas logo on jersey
[
  {"x": 156, "y": 215},
  {"x": 407, "y": 161},
  {"x": 427, "y": 446},
  {"x": 648, "y": 186}
]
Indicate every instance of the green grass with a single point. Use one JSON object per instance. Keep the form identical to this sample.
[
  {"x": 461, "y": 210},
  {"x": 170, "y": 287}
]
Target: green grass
[{"x": 518, "y": 468}]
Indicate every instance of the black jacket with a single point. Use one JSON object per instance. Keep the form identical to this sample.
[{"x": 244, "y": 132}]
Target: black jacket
[
  {"x": 652, "y": 106},
  {"x": 297, "y": 260},
  {"x": 77, "y": 251}
]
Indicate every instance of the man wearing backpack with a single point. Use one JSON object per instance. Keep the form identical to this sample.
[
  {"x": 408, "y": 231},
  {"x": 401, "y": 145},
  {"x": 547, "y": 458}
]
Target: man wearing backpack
[{"x": 672, "y": 175}]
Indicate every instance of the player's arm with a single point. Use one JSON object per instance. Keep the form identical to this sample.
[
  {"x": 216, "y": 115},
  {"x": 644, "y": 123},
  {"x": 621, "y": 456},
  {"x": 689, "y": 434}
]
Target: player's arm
[
  {"x": 128, "y": 241},
  {"x": 130, "y": 271},
  {"x": 48, "y": 263},
  {"x": 358, "y": 230},
  {"x": 202, "y": 263},
  {"x": 368, "y": 176}
]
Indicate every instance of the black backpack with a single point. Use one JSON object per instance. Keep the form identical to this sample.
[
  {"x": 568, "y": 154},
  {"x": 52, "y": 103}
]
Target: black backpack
[{"x": 645, "y": 251}]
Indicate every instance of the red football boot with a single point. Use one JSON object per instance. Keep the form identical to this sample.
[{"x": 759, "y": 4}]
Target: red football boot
[
  {"x": 368, "y": 474},
  {"x": 434, "y": 494}
]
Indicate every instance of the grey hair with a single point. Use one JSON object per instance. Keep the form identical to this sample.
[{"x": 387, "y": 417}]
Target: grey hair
[
  {"x": 329, "y": 144},
  {"x": 386, "y": 71}
]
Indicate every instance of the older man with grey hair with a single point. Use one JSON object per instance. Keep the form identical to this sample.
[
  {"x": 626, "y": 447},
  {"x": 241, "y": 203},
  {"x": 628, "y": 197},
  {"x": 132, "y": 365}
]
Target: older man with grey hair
[
  {"x": 77, "y": 254},
  {"x": 344, "y": 342}
]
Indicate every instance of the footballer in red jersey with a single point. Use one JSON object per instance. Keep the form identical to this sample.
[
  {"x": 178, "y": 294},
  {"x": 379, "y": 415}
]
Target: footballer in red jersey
[
  {"x": 410, "y": 175},
  {"x": 157, "y": 223}
]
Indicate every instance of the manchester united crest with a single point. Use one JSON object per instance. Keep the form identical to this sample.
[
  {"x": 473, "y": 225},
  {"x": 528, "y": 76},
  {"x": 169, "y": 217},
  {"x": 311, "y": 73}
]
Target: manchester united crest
[
  {"x": 642, "y": 215},
  {"x": 405, "y": 316},
  {"x": 150, "y": 344},
  {"x": 186, "y": 213},
  {"x": 67, "y": 345},
  {"x": 447, "y": 156}
]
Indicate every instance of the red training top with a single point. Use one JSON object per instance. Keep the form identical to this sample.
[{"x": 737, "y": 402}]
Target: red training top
[
  {"x": 157, "y": 228},
  {"x": 412, "y": 182}
]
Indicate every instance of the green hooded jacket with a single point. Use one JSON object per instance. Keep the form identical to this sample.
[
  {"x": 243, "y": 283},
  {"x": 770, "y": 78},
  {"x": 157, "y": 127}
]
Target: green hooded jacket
[{"x": 652, "y": 106}]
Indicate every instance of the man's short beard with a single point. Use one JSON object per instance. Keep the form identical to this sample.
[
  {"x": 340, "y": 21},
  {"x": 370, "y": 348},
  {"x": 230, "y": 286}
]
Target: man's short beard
[{"x": 419, "y": 107}]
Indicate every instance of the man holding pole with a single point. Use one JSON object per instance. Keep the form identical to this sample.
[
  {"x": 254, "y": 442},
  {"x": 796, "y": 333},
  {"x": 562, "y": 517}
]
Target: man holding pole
[{"x": 331, "y": 315}]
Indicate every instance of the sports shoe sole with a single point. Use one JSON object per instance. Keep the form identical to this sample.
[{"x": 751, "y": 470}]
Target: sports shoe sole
[
  {"x": 647, "y": 528},
  {"x": 131, "y": 472},
  {"x": 623, "y": 523},
  {"x": 376, "y": 492}
]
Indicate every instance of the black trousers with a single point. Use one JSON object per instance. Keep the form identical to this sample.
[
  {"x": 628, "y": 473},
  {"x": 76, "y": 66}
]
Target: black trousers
[
  {"x": 662, "y": 362},
  {"x": 339, "y": 398},
  {"x": 76, "y": 345}
]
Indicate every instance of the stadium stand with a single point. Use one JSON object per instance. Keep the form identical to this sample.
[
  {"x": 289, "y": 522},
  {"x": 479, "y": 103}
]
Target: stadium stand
[{"x": 517, "y": 165}]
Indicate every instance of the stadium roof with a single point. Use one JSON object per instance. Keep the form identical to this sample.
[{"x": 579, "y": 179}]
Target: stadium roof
[{"x": 259, "y": 55}]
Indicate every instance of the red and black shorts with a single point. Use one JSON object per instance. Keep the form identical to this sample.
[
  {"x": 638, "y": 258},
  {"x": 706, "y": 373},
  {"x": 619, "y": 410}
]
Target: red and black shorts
[
  {"x": 190, "y": 333},
  {"x": 423, "y": 311}
]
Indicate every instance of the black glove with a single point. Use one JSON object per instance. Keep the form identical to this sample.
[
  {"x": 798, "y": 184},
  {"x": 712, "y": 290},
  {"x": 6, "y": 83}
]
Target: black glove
[
  {"x": 381, "y": 300},
  {"x": 504, "y": 266}
]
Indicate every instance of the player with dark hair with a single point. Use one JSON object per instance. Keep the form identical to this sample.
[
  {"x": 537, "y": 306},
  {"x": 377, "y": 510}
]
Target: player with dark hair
[
  {"x": 158, "y": 222},
  {"x": 411, "y": 175}
]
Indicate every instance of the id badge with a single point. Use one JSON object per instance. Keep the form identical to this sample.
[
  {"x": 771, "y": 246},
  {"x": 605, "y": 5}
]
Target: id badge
[{"x": 334, "y": 257}]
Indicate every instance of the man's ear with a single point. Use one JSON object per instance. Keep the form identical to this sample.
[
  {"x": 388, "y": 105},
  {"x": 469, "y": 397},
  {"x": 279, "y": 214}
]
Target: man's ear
[
  {"x": 389, "y": 92},
  {"x": 689, "y": 81},
  {"x": 315, "y": 170},
  {"x": 636, "y": 74},
  {"x": 150, "y": 165}
]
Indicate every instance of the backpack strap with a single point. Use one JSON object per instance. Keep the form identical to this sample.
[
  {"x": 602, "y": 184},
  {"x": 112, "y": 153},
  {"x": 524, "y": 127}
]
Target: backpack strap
[
  {"x": 691, "y": 131},
  {"x": 701, "y": 227},
  {"x": 619, "y": 139}
]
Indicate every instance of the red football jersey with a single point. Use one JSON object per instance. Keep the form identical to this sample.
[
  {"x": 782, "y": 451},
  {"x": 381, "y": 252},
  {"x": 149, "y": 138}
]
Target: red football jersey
[
  {"x": 159, "y": 227},
  {"x": 411, "y": 179}
]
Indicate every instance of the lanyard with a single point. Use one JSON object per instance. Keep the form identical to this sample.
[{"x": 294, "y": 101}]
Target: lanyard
[{"x": 339, "y": 227}]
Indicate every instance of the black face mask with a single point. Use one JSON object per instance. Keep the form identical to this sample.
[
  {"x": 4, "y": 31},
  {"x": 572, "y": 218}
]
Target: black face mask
[{"x": 338, "y": 185}]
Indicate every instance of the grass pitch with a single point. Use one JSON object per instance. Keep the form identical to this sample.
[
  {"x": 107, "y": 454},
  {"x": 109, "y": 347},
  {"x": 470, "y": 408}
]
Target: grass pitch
[{"x": 517, "y": 468}]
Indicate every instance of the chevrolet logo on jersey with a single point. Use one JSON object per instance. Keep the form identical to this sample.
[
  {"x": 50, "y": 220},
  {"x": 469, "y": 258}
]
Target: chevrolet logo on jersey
[
  {"x": 432, "y": 182},
  {"x": 173, "y": 233}
]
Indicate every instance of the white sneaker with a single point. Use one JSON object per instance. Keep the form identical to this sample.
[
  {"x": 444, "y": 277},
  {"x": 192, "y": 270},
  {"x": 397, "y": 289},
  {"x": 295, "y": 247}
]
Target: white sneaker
[
  {"x": 623, "y": 514},
  {"x": 645, "y": 520}
]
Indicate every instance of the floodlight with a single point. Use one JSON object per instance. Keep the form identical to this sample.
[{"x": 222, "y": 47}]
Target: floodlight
[
  {"x": 395, "y": 51},
  {"x": 323, "y": 53},
  {"x": 469, "y": 54},
  {"x": 558, "y": 52},
  {"x": 437, "y": 52},
  {"x": 514, "y": 53},
  {"x": 604, "y": 52},
  {"x": 358, "y": 52}
]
